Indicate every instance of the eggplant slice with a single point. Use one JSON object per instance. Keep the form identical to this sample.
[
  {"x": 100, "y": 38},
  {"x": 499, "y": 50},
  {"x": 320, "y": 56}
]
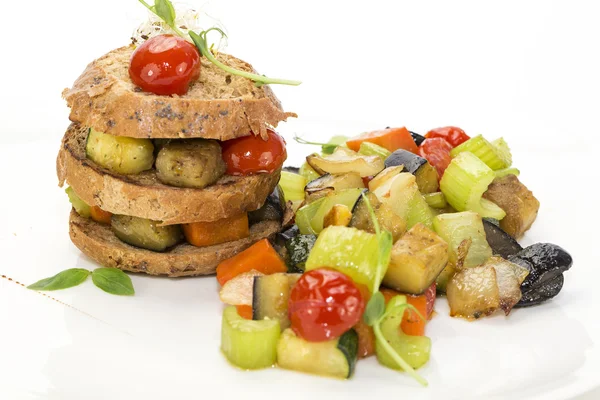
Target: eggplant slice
[
  {"x": 417, "y": 138},
  {"x": 501, "y": 242},
  {"x": 272, "y": 210},
  {"x": 425, "y": 173},
  {"x": 546, "y": 263}
]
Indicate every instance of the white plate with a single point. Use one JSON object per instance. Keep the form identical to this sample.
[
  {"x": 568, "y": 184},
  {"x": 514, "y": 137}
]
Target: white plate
[{"x": 164, "y": 341}]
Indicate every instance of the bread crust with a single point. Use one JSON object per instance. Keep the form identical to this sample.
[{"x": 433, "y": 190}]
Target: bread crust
[
  {"x": 99, "y": 243},
  {"x": 143, "y": 195},
  {"x": 217, "y": 106}
]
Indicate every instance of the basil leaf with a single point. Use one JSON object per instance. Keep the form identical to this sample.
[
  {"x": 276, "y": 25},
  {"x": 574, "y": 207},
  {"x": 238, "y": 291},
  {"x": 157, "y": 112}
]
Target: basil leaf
[
  {"x": 164, "y": 9},
  {"x": 375, "y": 309},
  {"x": 113, "y": 281},
  {"x": 63, "y": 280}
]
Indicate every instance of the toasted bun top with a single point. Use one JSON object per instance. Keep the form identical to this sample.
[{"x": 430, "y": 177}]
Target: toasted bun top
[
  {"x": 218, "y": 106},
  {"x": 143, "y": 195}
]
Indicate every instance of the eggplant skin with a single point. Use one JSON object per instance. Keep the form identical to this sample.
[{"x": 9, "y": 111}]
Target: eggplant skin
[
  {"x": 411, "y": 162},
  {"x": 542, "y": 293},
  {"x": 417, "y": 138},
  {"x": 501, "y": 242},
  {"x": 293, "y": 170},
  {"x": 546, "y": 263},
  {"x": 272, "y": 210}
]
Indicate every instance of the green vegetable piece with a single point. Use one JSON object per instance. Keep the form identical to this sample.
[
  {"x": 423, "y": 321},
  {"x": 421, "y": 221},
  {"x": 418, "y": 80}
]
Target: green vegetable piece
[
  {"x": 346, "y": 197},
  {"x": 80, "y": 206},
  {"x": 375, "y": 309},
  {"x": 249, "y": 344},
  {"x": 165, "y": 10},
  {"x": 435, "y": 200},
  {"x": 504, "y": 150},
  {"x": 419, "y": 211},
  {"x": 484, "y": 150},
  {"x": 63, "y": 280},
  {"x": 292, "y": 185},
  {"x": 308, "y": 172},
  {"x": 507, "y": 171},
  {"x": 360, "y": 264},
  {"x": 113, "y": 281},
  {"x": 372, "y": 149},
  {"x": 298, "y": 249},
  {"x": 464, "y": 182},
  {"x": 305, "y": 214}
]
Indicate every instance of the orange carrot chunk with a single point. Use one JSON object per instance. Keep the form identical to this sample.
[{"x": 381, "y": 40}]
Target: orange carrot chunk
[
  {"x": 99, "y": 215},
  {"x": 244, "y": 311},
  {"x": 390, "y": 138},
  {"x": 261, "y": 256},
  {"x": 215, "y": 232},
  {"x": 412, "y": 324}
]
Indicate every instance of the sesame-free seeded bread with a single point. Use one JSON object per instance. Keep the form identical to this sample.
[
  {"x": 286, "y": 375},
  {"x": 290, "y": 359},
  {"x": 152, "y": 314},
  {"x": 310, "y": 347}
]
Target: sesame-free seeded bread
[
  {"x": 217, "y": 106},
  {"x": 98, "y": 242},
  {"x": 143, "y": 195}
]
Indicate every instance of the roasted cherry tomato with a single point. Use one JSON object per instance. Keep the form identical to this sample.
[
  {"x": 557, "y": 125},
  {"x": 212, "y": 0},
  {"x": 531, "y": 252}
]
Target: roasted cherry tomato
[
  {"x": 165, "y": 65},
  {"x": 437, "y": 152},
  {"x": 252, "y": 154},
  {"x": 452, "y": 134},
  {"x": 324, "y": 304}
]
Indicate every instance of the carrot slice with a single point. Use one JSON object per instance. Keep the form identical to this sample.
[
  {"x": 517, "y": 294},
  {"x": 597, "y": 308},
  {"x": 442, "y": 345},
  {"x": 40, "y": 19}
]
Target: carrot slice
[
  {"x": 261, "y": 256},
  {"x": 220, "y": 231},
  {"x": 412, "y": 324},
  {"x": 99, "y": 215},
  {"x": 244, "y": 311},
  {"x": 390, "y": 138}
]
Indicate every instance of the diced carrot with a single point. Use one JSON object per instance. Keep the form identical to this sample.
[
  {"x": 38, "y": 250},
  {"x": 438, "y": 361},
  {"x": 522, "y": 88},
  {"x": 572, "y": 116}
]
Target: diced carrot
[
  {"x": 261, "y": 256},
  {"x": 244, "y": 311},
  {"x": 412, "y": 324},
  {"x": 390, "y": 138},
  {"x": 99, "y": 215},
  {"x": 220, "y": 231},
  {"x": 366, "y": 339}
]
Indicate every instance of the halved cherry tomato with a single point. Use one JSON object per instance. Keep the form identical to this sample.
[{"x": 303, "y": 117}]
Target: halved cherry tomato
[
  {"x": 451, "y": 134},
  {"x": 324, "y": 304},
  {"x": 252, "y": 154},
  {"x": 165, "y": 65},
  {"x": 437, "y": 152}
]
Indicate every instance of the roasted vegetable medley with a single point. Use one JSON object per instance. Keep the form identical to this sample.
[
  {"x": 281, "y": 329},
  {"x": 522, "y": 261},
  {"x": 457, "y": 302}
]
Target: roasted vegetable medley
[{"x": 383, "y": 222}]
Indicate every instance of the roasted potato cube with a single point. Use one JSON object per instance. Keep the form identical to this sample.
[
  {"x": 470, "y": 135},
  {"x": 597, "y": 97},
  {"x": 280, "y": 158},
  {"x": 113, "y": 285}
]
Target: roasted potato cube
[
  {"x": 339, "y": 215},
  {"x": 473, "y": 292},
  {"x": 517, "y": 201},
  {"x": 386, "y": 217},
  {"x": 417, "y": 259}
]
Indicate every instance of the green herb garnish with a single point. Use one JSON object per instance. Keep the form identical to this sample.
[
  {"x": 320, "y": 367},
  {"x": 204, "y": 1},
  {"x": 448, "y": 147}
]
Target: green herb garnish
[
  {"x": 111, "y": 280},
  {"x": 326, "y": 148},
  {"x": 164, "y": 10},
  {"x": 376, "y": 310}
]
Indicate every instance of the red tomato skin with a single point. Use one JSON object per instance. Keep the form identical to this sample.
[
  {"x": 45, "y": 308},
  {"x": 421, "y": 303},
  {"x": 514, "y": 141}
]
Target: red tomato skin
[
  {"x": 165, "y": 65},
  {"x": 324, "y": 304},
  {"x": 452, "y": 134},
  {"x": 437, "y": 152},
  {"x": 252, "y": 154}
]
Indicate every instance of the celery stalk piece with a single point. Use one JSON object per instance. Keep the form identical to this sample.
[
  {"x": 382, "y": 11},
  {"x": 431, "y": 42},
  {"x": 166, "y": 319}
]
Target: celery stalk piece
[
  {"x": 346, "y": 197},
  {"x": 419, "y": 211},
  {"x": 465, "y": 181},
  {"x": 435, "y": 200},
  {"x": 308, "y": 172},
  {"x": 502, "y": 147},
  {"x": 292, "y": 185},
  {"x": 372, "y": 149},
  {"x": 305, "y": 214},
  {"x": 507, "y": 171},
  {"x": 249, "y": 344},
  {"x": 350, "y": 251},
  {"x": 484, "y": 150}
]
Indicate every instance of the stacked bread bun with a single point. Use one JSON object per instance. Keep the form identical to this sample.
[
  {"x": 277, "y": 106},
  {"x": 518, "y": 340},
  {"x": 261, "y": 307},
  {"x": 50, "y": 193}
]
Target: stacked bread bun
[{"x": 147, "y": 180}]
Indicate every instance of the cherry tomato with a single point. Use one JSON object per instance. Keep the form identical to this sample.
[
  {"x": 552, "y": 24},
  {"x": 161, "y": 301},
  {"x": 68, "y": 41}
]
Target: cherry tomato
[
  {"x": 452, "y": 134},
  {"x": 324, "y": 304},
  {"x": 251, "y": 154},
  {"x": 437, "y": 152},
  {"x": 165, "y": 65}
]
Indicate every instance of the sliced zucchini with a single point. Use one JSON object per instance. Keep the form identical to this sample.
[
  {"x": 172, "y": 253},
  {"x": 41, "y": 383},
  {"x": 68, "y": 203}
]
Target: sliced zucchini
[
  {"x": 335, "y": 358},
  {"x": 426, "y": 174},
  {"x": 80, "y": 206},
  {"x": 322, "y": 186},
  {"x": 417, "y": 259},
  {"x": 270, "y": 295},
  {"x": 298, "y": 248},
  {"x": 249, "y": 344},
  {"x": 145, "y": 233}
]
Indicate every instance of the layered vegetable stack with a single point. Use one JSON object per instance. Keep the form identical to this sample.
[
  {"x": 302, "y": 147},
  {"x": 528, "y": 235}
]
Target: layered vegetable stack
[
  {"x": 383, "y": 222},
  {"x": 171, "y": 158}
]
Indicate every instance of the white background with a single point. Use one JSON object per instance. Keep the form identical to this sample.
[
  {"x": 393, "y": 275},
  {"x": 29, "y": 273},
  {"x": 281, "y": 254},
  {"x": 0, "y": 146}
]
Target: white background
[{"x": 526, "y": 70}]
